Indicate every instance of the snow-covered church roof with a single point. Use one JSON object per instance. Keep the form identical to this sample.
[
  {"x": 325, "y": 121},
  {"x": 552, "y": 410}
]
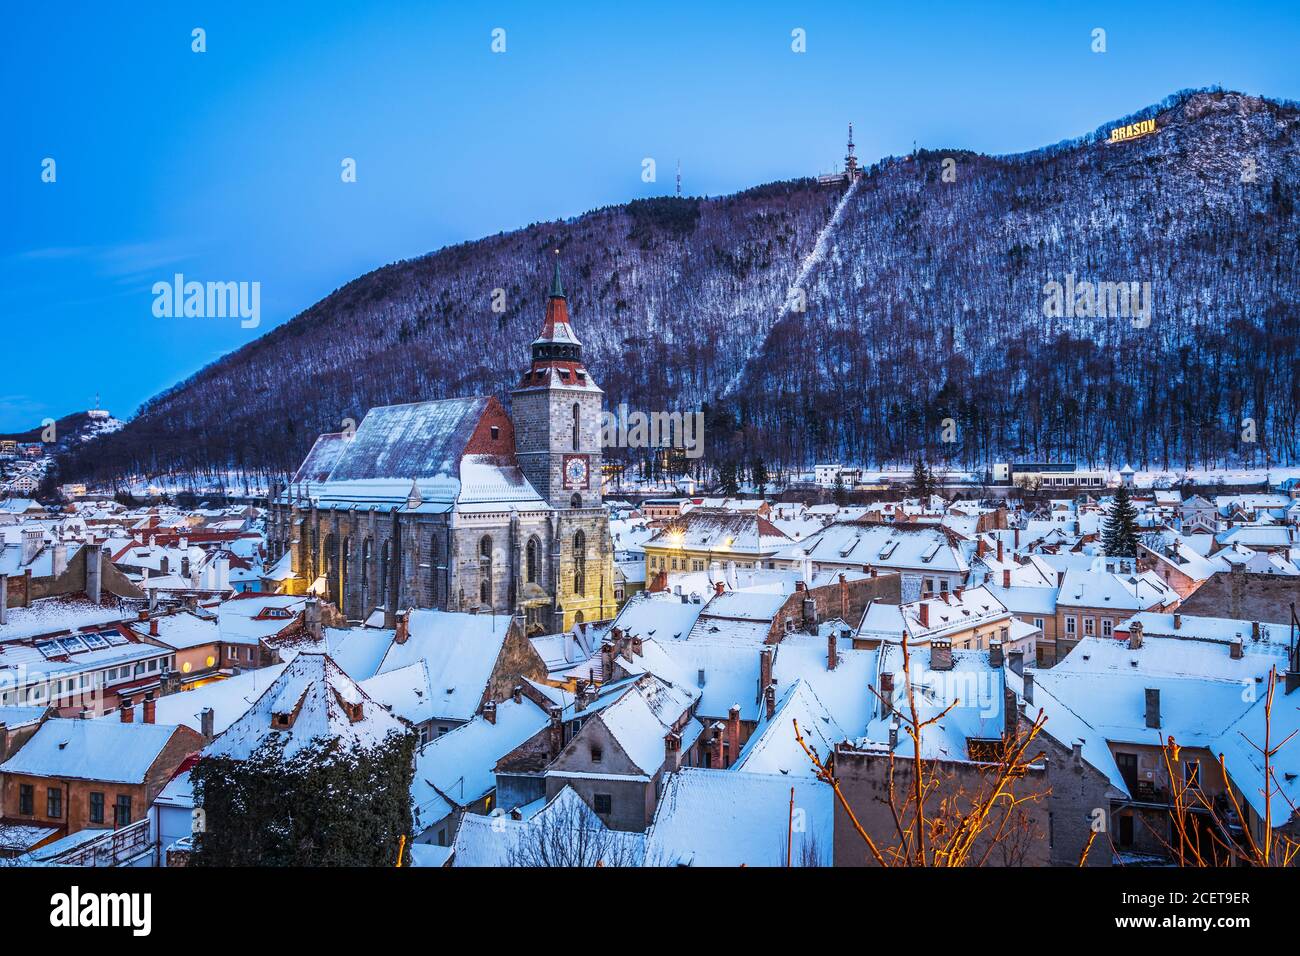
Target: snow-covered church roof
[{"x": 420, "y": 440}]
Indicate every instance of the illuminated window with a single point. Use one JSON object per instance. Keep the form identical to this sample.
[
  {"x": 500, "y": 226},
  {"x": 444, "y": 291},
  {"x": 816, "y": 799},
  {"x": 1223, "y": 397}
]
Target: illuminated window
[{"x": 580, "y": 563}]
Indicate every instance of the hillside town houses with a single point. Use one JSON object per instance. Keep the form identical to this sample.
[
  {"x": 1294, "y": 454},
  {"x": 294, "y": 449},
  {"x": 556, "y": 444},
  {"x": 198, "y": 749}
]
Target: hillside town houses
[
  {"x": 668, "y": 676},
  {"x": 752, "y": 617}
]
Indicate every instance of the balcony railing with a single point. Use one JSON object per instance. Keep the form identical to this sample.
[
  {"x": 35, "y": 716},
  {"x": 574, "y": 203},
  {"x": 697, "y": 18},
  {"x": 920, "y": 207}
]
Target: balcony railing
[{"x": 114, "y": 848}]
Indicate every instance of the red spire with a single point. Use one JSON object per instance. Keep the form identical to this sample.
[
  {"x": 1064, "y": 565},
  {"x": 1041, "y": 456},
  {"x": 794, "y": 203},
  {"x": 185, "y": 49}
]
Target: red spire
[
  {"x": 557, "y": 352},
  {"x": 556, "y": 327}
]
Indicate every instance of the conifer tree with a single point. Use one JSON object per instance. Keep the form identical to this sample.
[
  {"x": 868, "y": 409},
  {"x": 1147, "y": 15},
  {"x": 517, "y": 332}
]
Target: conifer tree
[
  {"x": 841, "y": 493},
  {"x": 727, "y": 479},
  {"x": 1119, "y": 532},
  {"x": 922, "y": 480},
  {"x": 758, "y": 473}
]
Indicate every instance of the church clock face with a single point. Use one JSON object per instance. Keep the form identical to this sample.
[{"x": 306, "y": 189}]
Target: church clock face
[{"x": 577, "y": 471}]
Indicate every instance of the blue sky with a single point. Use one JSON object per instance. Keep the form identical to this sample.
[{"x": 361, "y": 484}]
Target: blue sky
[{"x": 225, "y": 165}]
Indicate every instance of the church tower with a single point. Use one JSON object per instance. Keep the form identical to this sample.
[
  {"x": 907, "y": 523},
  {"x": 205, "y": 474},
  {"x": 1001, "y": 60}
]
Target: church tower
[{"x": 556, "y": 410}]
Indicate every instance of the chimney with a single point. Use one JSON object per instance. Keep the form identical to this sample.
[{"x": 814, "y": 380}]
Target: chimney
[
  {"x": 1006, "y": 577},
  {"x": 999, "y": 550},
  {"x": 1235, "y": 649},
  {"x": 1153, "y": 707},
  {"x": 1010, "y": 713},
  {"x": 1178, "y": 620},
  {"x": 207, "y": 723},
  {"x": 886, "y": 693},
  {"x": 1254, "y": 630},
  {"x": 490, "y": 711},
  {"x": 1060, "y": 579},
  {"x": 142, "y": 615},
  {"x": 1016, "y": 661},
  {"x": 1135, "y": 635},
  {"x": 715, "y": 746},
  {"x": 769, "y": 700},
  {"x": 1077, "y": 753},
  {"x": 185, "y": 566},
  {"x": 579, "y": 695},
  {"x": 893, "y": 733},
  {"x": 125, "y": 711},
  {"x": 93, "y": 575},
  {"x": 809, "y": 615},
  {"x": 995, "y": 652},
  {"x": 1028, "y": 678},
  {"x": 555, "y": 732},
  {"x": 832, "y": 655},
  {"x": 733, "y": 731},
  {"x": 719, "y": 588},
  {"x": 153, "y": 627},
  {"x": 638, "y": 648},
  {"x": 150, "y": 707},
  {"x": 401, "y": 626},
  {"x": 800, "y": 586},
  {"x": 941, "y": 654},
  {"x": 517, "y": 694},
  {"x": 59, "y": 558},
  {"x": 607, "y": 661},
  {"x": 923, "y": 613},
  {"x": 33, "y": 539},
  {"x": 764, "y": 668}
]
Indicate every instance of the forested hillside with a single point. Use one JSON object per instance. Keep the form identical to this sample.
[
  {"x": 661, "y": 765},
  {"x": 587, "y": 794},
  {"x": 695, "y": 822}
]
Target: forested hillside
[{"x": 925, "y": 302}]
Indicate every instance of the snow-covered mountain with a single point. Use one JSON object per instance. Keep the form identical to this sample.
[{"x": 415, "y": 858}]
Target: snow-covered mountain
[{"x": 925, "y": 300}]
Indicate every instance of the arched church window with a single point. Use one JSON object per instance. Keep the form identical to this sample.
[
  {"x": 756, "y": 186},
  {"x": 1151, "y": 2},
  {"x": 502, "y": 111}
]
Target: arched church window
[
  {"x": 435, "y": 558},
  {"x": 385, "y": 556},
  {"x": 346, "y": 570},
  {"x": 367, "y": 555},
  {"x": 576, "y": 411},
  {"x": 532, "y": 560},
  {"x": 575, "y": 501},
  {"x": 485, "y": 569},
  {"x": 579, "y": 563}
]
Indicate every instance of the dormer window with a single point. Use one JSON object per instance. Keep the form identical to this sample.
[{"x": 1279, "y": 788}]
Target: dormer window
[{"x": 564, "y": 374}]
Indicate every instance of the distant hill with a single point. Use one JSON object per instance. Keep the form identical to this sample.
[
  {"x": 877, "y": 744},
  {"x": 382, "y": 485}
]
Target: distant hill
[
  {"x": 925, "y": 302},
  {"x": 70, "y": 430}
]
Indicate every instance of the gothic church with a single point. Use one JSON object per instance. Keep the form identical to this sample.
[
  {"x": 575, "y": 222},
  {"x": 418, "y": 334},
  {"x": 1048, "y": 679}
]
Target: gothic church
[{"x": 458, "y": 505}]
